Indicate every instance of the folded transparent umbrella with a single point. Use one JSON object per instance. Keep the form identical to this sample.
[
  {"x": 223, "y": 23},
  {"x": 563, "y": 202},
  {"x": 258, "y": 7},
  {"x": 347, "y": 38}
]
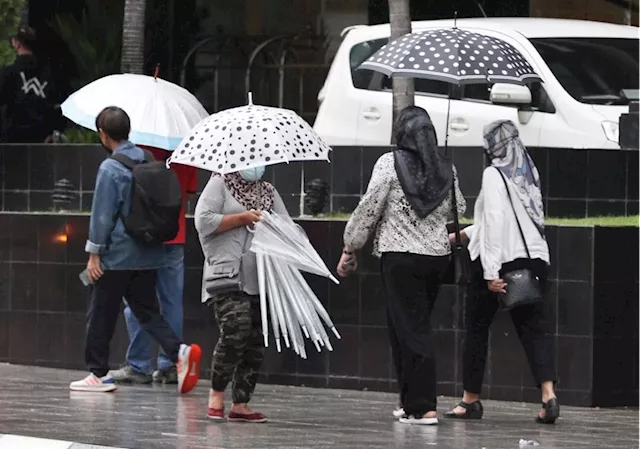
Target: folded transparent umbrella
[
  {"x": 279, "y": 237},
  {"x": 283, "y": 250}
]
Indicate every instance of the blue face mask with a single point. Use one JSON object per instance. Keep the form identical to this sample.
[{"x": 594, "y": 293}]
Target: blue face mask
[{"x": 252, "y": 174}]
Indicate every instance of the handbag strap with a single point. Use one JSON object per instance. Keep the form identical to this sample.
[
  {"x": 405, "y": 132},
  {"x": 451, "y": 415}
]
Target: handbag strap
[
  {"x": 456, "y": 218},
  {"x": 246, "y": 240},
  {"x": 506, "y": 186}
]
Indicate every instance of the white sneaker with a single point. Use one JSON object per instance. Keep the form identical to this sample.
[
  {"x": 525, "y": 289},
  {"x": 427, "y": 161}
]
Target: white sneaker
[
  {"x": 419, "y": 421},
  {"x": 398, "y": 412},
  {"x": 94, "y": 383},
  {"x": 188, "y": 367}
]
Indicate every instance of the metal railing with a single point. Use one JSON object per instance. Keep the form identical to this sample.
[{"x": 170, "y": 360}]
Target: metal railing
[{"x": 277, "y": 71}]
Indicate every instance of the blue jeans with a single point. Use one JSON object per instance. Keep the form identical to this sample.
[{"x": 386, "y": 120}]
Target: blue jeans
[{"x": 169, "y": 286}]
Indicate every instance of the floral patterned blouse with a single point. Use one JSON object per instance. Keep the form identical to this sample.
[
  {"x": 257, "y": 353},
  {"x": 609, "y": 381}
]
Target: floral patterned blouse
[{"x": 398, "y": 229}]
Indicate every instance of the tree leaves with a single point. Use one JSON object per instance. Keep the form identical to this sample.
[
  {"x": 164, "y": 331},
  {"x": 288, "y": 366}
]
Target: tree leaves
[
  {"x": 9, "y": 21},
  {"x": 94, "y": 41}
]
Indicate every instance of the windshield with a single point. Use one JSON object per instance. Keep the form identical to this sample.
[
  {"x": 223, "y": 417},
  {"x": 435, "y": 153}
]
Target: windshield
[{"x": 593, "y": 70}]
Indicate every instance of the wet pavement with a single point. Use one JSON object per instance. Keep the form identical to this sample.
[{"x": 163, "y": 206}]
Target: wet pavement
[{"x": 36, "y": 402}]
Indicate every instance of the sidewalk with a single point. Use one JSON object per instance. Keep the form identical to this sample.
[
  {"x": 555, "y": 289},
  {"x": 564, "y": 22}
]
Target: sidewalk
[{"x": 36, "y": 402}]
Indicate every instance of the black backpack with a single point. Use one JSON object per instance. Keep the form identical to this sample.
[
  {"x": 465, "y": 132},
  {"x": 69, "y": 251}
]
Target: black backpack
[{"x": 156, "y": 200}]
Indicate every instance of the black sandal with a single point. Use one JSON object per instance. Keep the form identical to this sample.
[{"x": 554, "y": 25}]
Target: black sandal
[
  {"x": 551, "y": 412},
  {"x": 473, "y": 411}
]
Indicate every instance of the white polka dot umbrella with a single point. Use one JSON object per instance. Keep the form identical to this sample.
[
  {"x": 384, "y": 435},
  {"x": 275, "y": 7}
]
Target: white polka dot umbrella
[
  {"x": 249, "y": 136},
  {"x": 454, "y": 56}
]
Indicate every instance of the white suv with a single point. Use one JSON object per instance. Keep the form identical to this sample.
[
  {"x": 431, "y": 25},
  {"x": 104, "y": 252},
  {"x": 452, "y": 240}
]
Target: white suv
[{"x": 585, "y": 67}]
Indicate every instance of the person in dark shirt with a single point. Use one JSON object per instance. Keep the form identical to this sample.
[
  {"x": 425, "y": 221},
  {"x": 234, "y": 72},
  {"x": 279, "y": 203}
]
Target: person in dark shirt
[{"x": 27, "y": 95}]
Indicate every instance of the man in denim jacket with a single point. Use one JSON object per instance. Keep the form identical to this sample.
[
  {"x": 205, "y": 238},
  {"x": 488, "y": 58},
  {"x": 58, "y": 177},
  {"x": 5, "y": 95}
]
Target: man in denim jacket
[{"x": 121, "y": 267}]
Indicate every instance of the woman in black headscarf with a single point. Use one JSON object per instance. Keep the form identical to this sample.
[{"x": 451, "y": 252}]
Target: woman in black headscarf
[{"x": 408, "y": 203}]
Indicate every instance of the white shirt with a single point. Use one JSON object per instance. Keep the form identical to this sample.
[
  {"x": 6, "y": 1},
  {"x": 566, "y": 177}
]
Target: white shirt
[
  {"x": 385, "y": 209},
  {"x": 494, "y": 236}
]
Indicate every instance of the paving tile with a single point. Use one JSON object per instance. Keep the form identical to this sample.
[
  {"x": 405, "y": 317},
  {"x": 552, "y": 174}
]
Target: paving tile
[{"x": 36, "y": 402}]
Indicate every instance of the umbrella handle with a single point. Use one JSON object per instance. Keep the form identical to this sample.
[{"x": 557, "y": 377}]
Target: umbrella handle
[{"x": 253, "y": 231}]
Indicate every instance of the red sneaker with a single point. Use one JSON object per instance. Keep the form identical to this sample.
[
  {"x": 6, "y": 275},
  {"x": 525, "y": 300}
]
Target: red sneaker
[
  {"x": 188, "y": 367},
  {"x": 255, "y": 418},
  {"x": 215, "y": 414}
]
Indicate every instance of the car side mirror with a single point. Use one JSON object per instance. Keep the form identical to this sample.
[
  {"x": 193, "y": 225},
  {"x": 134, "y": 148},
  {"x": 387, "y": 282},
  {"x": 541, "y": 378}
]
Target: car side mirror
[{"x": 510, "y": 94}]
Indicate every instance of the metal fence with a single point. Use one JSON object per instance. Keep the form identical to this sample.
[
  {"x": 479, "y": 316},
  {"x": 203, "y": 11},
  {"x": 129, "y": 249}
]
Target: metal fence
[{"x": 286, "y": 71}]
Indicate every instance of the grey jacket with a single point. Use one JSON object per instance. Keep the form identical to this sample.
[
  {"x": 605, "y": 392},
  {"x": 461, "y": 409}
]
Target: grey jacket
[{"x": 228, "y": 263}]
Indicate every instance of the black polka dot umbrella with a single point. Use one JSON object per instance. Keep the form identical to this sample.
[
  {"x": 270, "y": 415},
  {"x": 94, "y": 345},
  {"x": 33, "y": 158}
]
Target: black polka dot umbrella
[
  {"x": 249, "y": 136},
  {"x": 454, "y": 56}
]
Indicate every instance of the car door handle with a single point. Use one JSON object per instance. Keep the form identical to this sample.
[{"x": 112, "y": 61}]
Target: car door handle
[
  {"x": 457, "y": 126},
  {"x": 371, "y": 115}
]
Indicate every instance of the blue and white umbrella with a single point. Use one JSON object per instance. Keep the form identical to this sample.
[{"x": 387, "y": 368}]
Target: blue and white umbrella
[{"x": 161, "y": 113}]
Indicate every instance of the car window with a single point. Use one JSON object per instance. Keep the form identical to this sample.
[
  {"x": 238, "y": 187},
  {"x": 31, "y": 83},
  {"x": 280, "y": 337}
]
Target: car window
[
  {"x": 479, "y": 92},
  {"x": 362, "y": 78},
  {"x": 423, "y": 86},
  {"x": 592, "y": 70}
]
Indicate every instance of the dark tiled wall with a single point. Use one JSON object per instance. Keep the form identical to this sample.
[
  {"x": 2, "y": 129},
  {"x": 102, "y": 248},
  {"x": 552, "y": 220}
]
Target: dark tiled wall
[
  {"x": 576, "y": 183},
  {"x": 615, "y": 314},
  {"x": 29, "y": 173},
  {"x": 592, "y": 306}
]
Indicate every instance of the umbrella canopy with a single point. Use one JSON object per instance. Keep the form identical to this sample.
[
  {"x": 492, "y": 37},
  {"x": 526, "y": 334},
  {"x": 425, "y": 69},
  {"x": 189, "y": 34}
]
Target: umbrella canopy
[
  {"x": 161, "y": 113},
  {"x": 281, "y": 238},
  {"x": 454, "y": 56},
  {"x": 249, "y": 136},
  {"x": 294, "y": 310},
  {"x": 285, "y": 296}
]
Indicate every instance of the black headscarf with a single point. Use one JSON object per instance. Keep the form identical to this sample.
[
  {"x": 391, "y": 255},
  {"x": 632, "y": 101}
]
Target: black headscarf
[{"x": 425, "y": 174}]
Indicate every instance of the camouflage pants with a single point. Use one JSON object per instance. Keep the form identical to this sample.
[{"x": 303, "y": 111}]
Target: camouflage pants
[{"x": 240, "y": 349}]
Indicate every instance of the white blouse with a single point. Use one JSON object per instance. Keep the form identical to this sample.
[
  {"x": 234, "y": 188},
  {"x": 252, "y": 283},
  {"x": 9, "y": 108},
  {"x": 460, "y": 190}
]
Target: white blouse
[
  {"x": 494, "y": 236},
  {"x": 398, "y": 229}
]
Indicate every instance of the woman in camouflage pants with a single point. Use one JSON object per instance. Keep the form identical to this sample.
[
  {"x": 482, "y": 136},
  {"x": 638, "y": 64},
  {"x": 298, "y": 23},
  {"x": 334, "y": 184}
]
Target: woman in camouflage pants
[{"x": 228, "y": 206}]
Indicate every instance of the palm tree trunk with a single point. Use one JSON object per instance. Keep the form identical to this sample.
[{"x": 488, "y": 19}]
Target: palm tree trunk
[
  {"x": 24, "y": 12},
  {"x": 132, "y": 60},
  {"x": 403, "y": 88}
]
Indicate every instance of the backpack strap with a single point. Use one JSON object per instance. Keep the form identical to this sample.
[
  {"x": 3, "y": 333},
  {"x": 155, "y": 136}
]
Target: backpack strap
[
  {"x": 125, "y": 160},
  {"x": 148, "y": 156},
  {"x": 130, "y": 163}
]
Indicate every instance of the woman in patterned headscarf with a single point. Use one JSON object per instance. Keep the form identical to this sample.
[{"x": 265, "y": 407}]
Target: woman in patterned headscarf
[
  {"x": 407, "y": 205},
  {"x": 496, "y": 247},
  {"x": 228, "y": 205},
  {"x": 508, "y": 154}
]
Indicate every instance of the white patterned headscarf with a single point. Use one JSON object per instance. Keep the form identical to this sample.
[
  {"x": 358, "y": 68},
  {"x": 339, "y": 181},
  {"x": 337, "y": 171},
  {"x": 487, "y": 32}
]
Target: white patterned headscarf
[{"x": 509, "y": 155}]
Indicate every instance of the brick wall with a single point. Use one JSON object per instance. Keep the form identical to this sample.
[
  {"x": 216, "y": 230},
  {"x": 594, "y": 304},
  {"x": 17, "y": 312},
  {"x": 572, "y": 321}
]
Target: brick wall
[{"x": 598, "y": 10}]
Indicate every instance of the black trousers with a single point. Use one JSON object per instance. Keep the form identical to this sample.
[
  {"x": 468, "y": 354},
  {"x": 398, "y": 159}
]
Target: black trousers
[
  {"x": 534, "y": 332},
  {"x": 412, "y": 283},
  {"x": 139, "y": 287}
]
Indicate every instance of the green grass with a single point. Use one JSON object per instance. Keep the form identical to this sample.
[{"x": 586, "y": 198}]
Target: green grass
[
  {"x": 632, "y": 220},
  {"x": 596, "y": 221}
]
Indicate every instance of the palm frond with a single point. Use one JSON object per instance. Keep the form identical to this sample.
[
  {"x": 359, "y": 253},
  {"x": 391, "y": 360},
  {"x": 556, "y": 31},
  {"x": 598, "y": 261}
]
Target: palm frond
[{"x": 94, "y": 41}]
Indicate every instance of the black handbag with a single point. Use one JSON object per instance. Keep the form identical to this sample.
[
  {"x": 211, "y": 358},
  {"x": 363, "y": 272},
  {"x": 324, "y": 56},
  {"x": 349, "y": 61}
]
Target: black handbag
[{"x": 523, "y": 286}]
